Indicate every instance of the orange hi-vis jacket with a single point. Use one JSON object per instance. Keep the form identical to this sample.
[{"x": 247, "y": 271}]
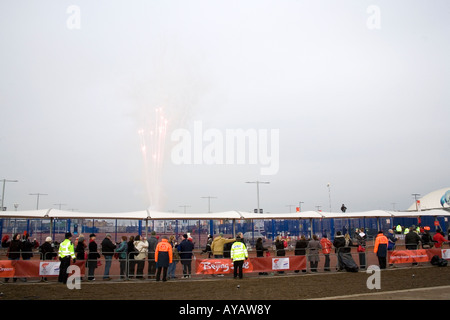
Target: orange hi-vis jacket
[
  {"x": 380, "y": 240},
  {"x": 164, "y": 246}
]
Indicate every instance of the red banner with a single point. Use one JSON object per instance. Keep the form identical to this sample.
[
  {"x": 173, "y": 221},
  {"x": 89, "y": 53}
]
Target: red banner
[
  {"x": 28, "y": 268},
  {"x": 266, "y": 264},
  {"x": 409, "y": 256}
]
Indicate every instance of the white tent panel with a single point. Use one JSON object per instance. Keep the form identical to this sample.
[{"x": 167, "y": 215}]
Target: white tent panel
[
  {"x": 61, "y": 214},
  {"x": 156, "y": 215},
  {"x": 364, "y": 214},
  {"x": 425, "y": 213},
  {"x": 29, "y": 214},
  {"x": 294, "y": 215}
]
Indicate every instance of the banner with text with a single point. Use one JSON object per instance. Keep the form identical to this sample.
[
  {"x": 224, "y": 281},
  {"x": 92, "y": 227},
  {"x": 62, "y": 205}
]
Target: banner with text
[{"x": 266, "y": 264}]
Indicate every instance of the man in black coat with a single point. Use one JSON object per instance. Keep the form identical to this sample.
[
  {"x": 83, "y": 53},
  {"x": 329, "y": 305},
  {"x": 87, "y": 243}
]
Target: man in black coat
[
  {"x": 108, "y": 248},
  {"x": 412, "y": 239}
]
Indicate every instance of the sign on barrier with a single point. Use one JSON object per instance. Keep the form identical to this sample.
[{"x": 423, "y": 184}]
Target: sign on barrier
[
  {"x": 409, "y": 256},
  {"x": 266, "y": 264},
  {"x": 32, "y": 268}
]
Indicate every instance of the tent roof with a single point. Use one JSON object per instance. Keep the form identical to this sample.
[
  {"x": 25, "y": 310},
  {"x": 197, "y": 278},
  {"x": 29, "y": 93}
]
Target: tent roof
[{"x": 230, "y": 215}]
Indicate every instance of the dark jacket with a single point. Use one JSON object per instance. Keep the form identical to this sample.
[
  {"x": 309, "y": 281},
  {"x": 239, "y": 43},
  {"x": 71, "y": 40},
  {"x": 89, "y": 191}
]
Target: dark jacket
[
  {"x": 279, "y": 245},
  {"x": 15, "y": 247},
  {"x": 79, "y": 250},
  {"x": 185, "y": 249},
  {"x": 93, "y": 253},
  {"x": 47, "y": 251},
  {"x": 260, "y": 249},
  {"x": 131, "y": 250},
  {"x": 27, "y": 249},
  {"x": 152, "y": 243},
  {"x": 108, "y": 247},
  {"x": 300, "y": 247},
  {"x": 412, "y": 240},
  {"x": 338, "y": 243}
]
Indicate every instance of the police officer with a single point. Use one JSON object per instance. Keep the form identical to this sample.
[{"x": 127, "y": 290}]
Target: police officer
[
  {"x": 238, "y": 254},
  {"x": 65, "y": 252}
]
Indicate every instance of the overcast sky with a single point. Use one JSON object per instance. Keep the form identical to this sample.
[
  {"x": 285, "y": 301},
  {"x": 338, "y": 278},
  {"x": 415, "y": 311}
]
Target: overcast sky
[{"x": 358, "y": 91}]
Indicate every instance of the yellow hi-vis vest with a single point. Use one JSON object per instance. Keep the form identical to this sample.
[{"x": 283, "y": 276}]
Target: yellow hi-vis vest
[
  {"x": 399, "y": 228},
  {"x": 238, "y": 251},
  {"x": 66, "y": 249}
]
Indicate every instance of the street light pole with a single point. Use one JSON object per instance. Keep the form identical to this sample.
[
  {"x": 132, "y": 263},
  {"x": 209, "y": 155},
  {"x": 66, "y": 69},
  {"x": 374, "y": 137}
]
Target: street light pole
[
  {"x": 38, "y": 195},
  {"x": 209, "y": 202},
  {"x": 257, "y": 190},
  {"x": 3, "y": 192}
]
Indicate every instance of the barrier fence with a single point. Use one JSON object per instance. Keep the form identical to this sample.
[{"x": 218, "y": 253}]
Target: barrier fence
[{"x": 201, "y": 265}]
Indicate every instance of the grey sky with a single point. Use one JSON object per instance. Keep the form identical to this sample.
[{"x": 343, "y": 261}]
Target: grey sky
[{"x": 366, "y": 110}]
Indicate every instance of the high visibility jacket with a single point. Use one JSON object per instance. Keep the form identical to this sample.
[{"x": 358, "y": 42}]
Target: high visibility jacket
[
  {"x": 66, "y": 249},
  {"x": 164, "y": 246},
  {"x": 381, "y": 243},
  {"x": 406, "y": 231},
  {"x": 399, "y": 228},
  {"x": 239, "y": 251}
]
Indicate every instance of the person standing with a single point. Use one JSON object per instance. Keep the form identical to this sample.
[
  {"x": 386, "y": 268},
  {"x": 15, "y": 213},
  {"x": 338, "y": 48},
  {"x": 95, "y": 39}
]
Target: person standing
[
  {"x": 361, "y": 238},
  {"x": 217, "y": 245},
  {"x": 14, "y": 247},
  {"x": 47, "y": 252},
  {"x": 280, "y": 246},
  {"x": 152, "y": 243},
  {"x": 239, "y": 253},
  {"x": 175, "y": 257},
  {"x": 185, "y": 249},
  {"x": 439, "y": 238},
  {"x": 300, "y": 249},
  {"x": 313, "y": 257},
  {"x": 131, "y": 255},
  {"x": 163, "y": 258},
  {"x": 108, "y": 248},
  {"x": 93, "y": 255},
  {"x": 326, "y": 245},
  {"x": 122, "y": 251},
  {"x": 142, "y": 249},
  {"x": 65, "y": 253},
  {"x": 381, "y": 245},
  {"x": 80, "y": 248}
]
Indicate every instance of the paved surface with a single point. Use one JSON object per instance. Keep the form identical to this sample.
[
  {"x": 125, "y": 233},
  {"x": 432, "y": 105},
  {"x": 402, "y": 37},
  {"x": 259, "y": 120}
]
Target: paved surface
[{"x": 433, "y": 293}]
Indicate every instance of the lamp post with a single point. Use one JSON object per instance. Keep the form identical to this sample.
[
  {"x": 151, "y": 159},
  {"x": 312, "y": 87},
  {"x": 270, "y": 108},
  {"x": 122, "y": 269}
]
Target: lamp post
[
  {"x": 38, "y": 195},
  {"x": 257, "y": 190},
  {"x": 329, "y": 194},
  {"x": 3, "y": 191}
]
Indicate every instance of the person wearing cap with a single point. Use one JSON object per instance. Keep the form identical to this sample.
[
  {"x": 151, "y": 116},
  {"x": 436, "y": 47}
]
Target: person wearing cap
[
  {"x": 108, "y": 248},
  {"x": 65, "y": 253},
  {"x": 47, "y": 252},
  {"x": 163, "y": 258},
  {"x": 239, "y": 253},
  {"x": 381, "y": 245}
]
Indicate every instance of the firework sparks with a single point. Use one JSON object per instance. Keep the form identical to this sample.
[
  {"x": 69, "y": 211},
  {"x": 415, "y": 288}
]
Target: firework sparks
[{"x": 153, "y": 141}]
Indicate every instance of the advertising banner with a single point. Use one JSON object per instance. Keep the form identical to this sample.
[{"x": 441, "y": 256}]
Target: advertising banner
[
  {"x": 445, "y": 254},
  {"x": 32, "y": 268},
  {"x": 409, "y": 256},
  {"x": 266, "y": 264}
]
